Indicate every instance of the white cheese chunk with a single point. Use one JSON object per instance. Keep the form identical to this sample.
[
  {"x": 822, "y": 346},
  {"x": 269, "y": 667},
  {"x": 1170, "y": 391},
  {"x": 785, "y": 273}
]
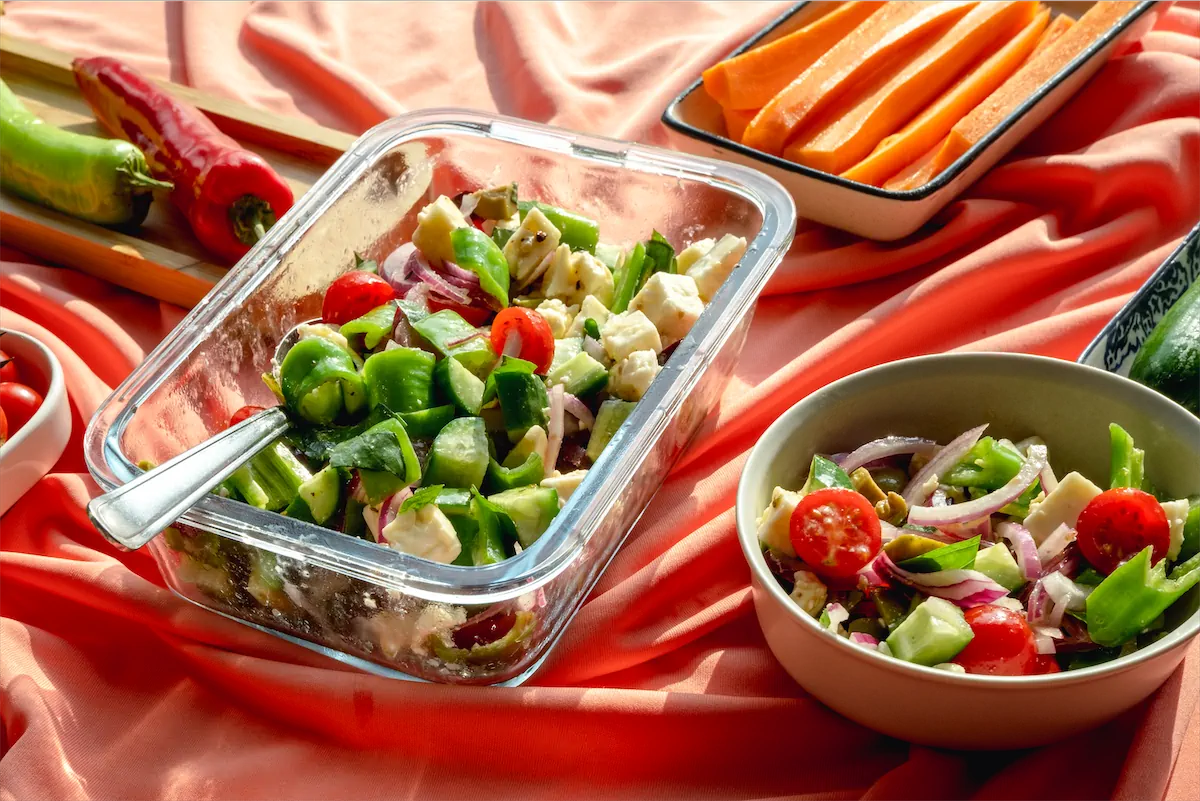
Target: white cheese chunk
[
  {"x": 692, "y": 253},
  {"x": 433, "y": 619},
  {"x": 672, "y": 302},
  {"x": 434, "y": 224},
  {"x": 631, "y": 377},
  {"x": 424, "y": 532},
  {"x": 557, "y": 315},
  {"x": 627, "y": 332},
  {"x": 1061, "y": 507},
  {"x": 1177, "y": 512},
  {"x": 574, "y": 278},
  {"x": 533, "y": 241},
  {"x": 564, "y": 484},
  {"x": 774, "y": 526},
  {"x": 711, "y": 269},
  {"x": 590, "y": 307},
  {"x": 809, "y": 592}
]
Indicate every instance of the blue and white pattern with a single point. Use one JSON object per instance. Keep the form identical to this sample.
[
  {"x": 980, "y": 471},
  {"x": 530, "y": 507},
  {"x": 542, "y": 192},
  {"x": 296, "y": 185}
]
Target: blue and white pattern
[{"x": 1118, "y": 342}]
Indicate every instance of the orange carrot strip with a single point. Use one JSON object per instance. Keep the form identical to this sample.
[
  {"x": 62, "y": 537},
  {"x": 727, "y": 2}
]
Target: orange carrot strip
[
  {"x": 850, "y": 138},
  {"x": 750, "y": 80},
  {"x": 878, "y": 46},
  {"x": 1029, "y": 78},
  {"x": 916, "y": 174},
  {"x": 932, "y": 125},
  {"x": 736, "y": 121},
  {"x": 1061, "y": 24}
]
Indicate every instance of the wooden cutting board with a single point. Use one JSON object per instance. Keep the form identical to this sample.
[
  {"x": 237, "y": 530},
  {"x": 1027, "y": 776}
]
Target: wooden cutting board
[{"x": 161, "y": 258}]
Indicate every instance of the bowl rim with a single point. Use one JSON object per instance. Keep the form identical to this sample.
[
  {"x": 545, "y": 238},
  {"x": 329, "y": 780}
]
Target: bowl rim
[
  {"x": 53, "y": 397},
  {"x": 671, "y": 118},
  {"x": 745, "y": 517}
]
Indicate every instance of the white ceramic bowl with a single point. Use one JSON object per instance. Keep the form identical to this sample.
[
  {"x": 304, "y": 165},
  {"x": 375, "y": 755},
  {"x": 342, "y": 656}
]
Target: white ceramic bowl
[
  {"x": 1067, "y": 404},
  {"x": 31, "y": 452}
]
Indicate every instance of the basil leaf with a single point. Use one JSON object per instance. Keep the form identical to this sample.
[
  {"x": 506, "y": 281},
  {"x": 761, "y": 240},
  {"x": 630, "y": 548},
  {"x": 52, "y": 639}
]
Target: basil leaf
[
  {"x": 959, "y": 556},
  {"x": 423, "y": 497}
]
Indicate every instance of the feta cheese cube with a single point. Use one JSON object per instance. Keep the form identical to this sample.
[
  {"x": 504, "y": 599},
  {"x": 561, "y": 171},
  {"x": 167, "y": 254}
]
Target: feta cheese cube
[
  {"x": 424, "y": 532},
  {"x": 672, "y": 302},
  {"x": 434, "y": 224},
  {"x": 434, "y": 619},
  {"x": 631, "y": 377},
  {"x": 711, "y": 269},
  {"x": 564, "y": 484},
  {"x": 629, "y": 331},
  {"x": 1177, "y": 512},
  {"x": 809, "y": 592},
  {"x": 574, "y": 278},
  {"x": 774, "y": 526},
  {"x": 557, "y": 315},
  {"x": 590, "y": 307},
  {"x": 692, "y": 253},
  {"x": 1061, "y": 507},
  {"x": 533, "y": 241}
]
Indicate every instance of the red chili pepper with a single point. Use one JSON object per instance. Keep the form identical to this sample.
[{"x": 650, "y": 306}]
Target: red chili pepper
[{"x": 229, "y": 195}]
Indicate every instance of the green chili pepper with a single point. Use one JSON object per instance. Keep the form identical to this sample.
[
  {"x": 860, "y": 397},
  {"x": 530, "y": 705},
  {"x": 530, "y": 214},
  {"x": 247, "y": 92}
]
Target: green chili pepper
[
  {"x": 400, "y": 379},
  {"x": 374, "y": 326},
  {"x": 1134, "y": 594},
  {"x": 988, "y": 464},
  {"x": 319, "y": 381},
  {"x": 104, "y": 181},
  {"x": 1127, "y": 464},
  {"x": 476, "y": 251},
  {"x": 578, "y": 232},
  {"x": 629, "y": 278},
  {"x": 592, "y": 328}
]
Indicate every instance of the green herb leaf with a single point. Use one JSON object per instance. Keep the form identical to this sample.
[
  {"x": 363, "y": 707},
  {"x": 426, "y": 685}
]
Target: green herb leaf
[
  {"x": 421, "y": 498},
  {"x": 373, "y": 450},
  {"x": 959, "y": 556},
  {"x": 366, "y": 265}
]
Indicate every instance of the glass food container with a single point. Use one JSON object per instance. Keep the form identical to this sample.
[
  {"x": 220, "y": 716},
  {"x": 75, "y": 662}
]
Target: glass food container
[{"x": 376, "y": 608}]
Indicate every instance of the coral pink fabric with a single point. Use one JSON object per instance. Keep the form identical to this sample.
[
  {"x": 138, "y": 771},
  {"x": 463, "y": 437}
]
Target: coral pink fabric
[{"x": 662, "y": 687}]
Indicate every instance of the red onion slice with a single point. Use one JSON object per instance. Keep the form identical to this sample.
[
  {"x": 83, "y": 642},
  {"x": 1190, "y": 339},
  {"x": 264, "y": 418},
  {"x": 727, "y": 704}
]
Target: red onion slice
[
  {"x": 888, "y": 531},
  {"x": 988, "y": 504},
  {"x": 579, "y": 410},
  {"x": 1053, "y": 546},
  {"x": 966, "y": 588},
  {"x": 459, "y": 276},
  {"x": 470, "y": 202},
  {"x": 454, "y": 343},
  {"x": 1055, "y": 618},
  {"x": 1024, "y": 547},
  {"x": 864, "y": 639},
  {"x": 390, "y": 508},
  {"x": 438, "y": 283},
  {"x": 555, "y": 427},
  {"x": 512, "y": 345},
  {"x": 1043, "y": 642},
  {"x": 395, "y": 268},
  {"x": 594, "y": 349},
  {"x": 915, "y": 493},
  {"x": 882, "y": 448},
  {"x": 981, "y": 528},
  {"x": 837, "y": 616},
  {"x": 1064, "y": 591}
]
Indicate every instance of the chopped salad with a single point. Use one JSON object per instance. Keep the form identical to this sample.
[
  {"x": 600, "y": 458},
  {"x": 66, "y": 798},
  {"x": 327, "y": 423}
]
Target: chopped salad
[
  {"x": 974, "y": 557},
  {"x": 455, "y": 393}
]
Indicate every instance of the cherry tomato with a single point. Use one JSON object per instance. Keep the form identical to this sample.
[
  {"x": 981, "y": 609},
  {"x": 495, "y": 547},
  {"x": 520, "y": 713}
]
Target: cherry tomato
[
  {"x": 8, "y": 368},
  {"x": 3, "y": 427},
  {"x": 1118, "y": 524},
  {"x": 19, "y": 403},
  {"x": 1003, "y": 644},
  {"x": 354, "y": 294},
  {"x": 471, "y": 314},
  {"x": 835, "y": 531},
  {"x": 537, "y": 341},
  {"x": 1046, "y": 663},
  {"x": 242, "y": 413}
]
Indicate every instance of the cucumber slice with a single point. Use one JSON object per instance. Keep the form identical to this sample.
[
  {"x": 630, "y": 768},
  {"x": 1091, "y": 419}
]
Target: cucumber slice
[
  {"x": 999, "y": 565},
  {"x": 530, "y": 508},
  {"x": 564, "y": 350},
  {"x": 933, "y": 633},
  {"x": 426, "y": 423},
  {"x": 453, "y": 337},
  {"x": 459, "y": 455},
  {"x": 460, "y": 385},
  {"x": 523, "y": 400},
  {"x": 581, "y": 375},
  {"x": 321, "y": 494},
  {"x": 610, "y": 417},
  {"x": 1169, "y": 360}
]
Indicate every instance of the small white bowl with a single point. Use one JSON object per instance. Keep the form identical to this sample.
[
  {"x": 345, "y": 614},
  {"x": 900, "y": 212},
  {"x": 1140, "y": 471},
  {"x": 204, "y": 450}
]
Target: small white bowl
[
  {"x": 1068, "y": 405},
  {"x": 31, "y": 452}
]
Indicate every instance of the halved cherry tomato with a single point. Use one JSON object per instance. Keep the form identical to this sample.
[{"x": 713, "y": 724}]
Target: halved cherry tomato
[
  {"x": 537, "y": 340},
  {"x": 8, "y": 368},
  {"x": 1118, "y": 524},
  {"x": 1046, "y": 663},
  {"x": 19, "y": 403},
  {"x": 835, "y": 531},
  {"x": 354, "y": 294},
  {"x": 3, "y": 427},
  {"x": 474, "y": 316},
  {"x": 484, "y": 631},
  {"x": 1003, "y": 644},
  {"x": 242, "y": 413}
]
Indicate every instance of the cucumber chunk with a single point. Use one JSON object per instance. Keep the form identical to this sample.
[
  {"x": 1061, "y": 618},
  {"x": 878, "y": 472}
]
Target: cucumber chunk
[
  {"x": 933, "y": 633},
  {"x": 610, "y": 417},
  {"x": 530, "y": 508},
  {"x": 460, "y": 386},
  {"x": 459, "y": 455}
]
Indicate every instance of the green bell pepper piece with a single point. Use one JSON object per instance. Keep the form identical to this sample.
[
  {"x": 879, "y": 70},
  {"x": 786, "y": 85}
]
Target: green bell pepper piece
[
  {"x": 426, "y": 423},
  {"x": 989, "y": 464},
  {"x": 1191, "y": 530},
  {"x": 374, "y": 326},
  {"x": 496, "y": 651},
  {"x": 488, "y": 547},
  {"x": 400, "y": 379},
  {"x": 442, "y": 328},
  {"x": 508, "y": 364},
  {"x": 629, "y": 278},
  {"x": 1127, "y": 463},
  {"x": 476, "y": 251},
  {"x": 578, "y": 232},
  {"x": 523, "y": 400},
  {"x": 1134, "y": 594},
  {"x": 501, "y": 236},
  {"x": 318, "y": 381},
  {"x": 500, "y": 478},
  {"x": 825, "y": 474}
]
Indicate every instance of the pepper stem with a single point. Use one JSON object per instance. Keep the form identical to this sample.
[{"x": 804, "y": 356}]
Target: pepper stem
[
  {"x": 137, "y": 178},
  {"x": 250, "y": 217}
]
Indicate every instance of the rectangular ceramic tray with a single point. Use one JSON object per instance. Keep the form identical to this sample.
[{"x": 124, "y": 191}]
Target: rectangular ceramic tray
[
  {"x": 356, "y": 600},
  {"x": 1118, "y": 342},
  {"x": 695, "y": 125}
]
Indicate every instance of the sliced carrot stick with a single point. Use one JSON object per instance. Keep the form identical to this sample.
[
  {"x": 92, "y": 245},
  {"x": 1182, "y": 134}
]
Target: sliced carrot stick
[
  {"x": 916, "y": 174},
  {"x": 736, "y": 121},
  {"x": 1061, "y": 24},
  {"x": 880, "y": 45},
  {"x": 750, "y": 80},
  {"x": 850, "y": 137},
  {"x": 932, "y": 125},
  {"x": 1029, "y": 78}
]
